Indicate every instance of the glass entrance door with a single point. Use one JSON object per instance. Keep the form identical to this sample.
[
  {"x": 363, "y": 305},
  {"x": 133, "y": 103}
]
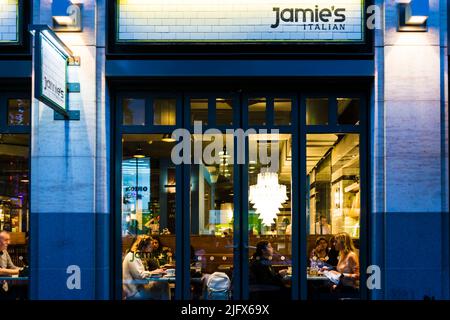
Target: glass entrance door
[
  {"x": 212, "y": 218},
  {"x": 269, "y": 217},
  {"x": 241, "y": 208}
]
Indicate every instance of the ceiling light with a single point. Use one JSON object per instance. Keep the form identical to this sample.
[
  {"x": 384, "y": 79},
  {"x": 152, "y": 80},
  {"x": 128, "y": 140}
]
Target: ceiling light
[
  {"x": 267, "y": 196},
  {"x": 139, "y": 153},
  {"x": 167, "y": 138}
]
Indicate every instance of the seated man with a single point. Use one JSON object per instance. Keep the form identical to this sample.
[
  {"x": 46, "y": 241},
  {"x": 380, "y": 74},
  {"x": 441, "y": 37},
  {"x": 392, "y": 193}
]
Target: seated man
[{"x": 7, "y": 267}]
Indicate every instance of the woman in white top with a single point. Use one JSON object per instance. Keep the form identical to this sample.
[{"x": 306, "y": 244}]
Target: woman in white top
[{"x": 134, "y": 275}]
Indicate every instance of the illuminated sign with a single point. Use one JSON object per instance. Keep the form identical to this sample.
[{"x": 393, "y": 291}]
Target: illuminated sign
[
  {"x": 240, "y": 21},
  {"x": 51, "y": 57},
  {"x": 54, "y": 74},
  {"x": 9, "y": 21}
]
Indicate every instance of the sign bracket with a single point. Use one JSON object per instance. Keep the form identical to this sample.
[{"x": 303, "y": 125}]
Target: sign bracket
[
  {"x": 70, "y": 115},
  {"x": 73, "y": 87},
  {"x": 74, "y": 61}
]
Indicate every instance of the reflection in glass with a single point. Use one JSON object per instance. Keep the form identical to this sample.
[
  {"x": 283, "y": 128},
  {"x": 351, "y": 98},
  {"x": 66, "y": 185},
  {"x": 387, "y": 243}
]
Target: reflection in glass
[
  {"x": 224, "y": 111},
  {"x": 148, "y": 208},
  {"x": 19, "y": 112},
  {"x": 348, "y": 110},
  {"x": 270, "y": 217},
  {"x": 333, "y": 176},
  {"x": 164, "y": 112},
  {"x": 317, "y": 111},
  {"x": 14, "y": 202},
  {"x": 282, "y": 109},
  {"x": 199, "y": 111},
  {"x": 212, "y": 217},
  {"x": 133, "y": 111},
  {"x": 257, "y": 111}
]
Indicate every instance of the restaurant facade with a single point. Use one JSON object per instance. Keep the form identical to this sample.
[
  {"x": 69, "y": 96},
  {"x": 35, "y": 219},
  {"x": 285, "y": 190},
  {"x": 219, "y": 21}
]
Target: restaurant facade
[{"x": 215, "y": 126}]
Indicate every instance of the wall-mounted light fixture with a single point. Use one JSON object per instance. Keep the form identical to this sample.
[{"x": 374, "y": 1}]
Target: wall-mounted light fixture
[
  {"x": 413, "y": 15},
  {"x": 67, "y": 15}
]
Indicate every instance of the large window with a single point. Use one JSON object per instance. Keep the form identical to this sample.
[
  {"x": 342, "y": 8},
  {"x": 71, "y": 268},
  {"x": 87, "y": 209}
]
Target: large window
[
  {"x": 269, "y": 214},
  {"x": 212, "y": 216},
  {"x": 148, "y": 212},
  {"x": 333, "y": 177},
  {"x": 333, "y": 203},
  {"x": 148, "y": 199},
  {"x": 14, "y": 195}
]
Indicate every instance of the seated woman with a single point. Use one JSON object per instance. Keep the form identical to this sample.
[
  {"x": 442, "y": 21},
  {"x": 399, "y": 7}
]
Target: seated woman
[
  {"x": 319, "y": 254},
  {"x": 348, "y": 265},
  {"x": 262, "y": 276},
  {"x": 159, "y": 256},
  {"x": 133, "y": 270}
]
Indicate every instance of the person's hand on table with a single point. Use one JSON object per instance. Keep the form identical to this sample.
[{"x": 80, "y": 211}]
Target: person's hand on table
[
  {"x": 157, "y": 271},
  {"x": 323, "y": 269},
  {"x": 283, "y": 272}
]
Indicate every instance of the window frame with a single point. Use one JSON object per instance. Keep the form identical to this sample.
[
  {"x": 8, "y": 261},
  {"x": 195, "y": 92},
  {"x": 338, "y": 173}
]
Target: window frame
[
  {"x": 4, "y": 116},
  {"x": 298, "y": 129},
  {"x": 334, "y": 128},
  {"x": 6, "y": 95},
  {"x": 116, "y": 148},
  {"x": 22, "y": 46}
]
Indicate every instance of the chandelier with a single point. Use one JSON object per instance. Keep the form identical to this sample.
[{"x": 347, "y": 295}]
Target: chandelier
[{"x": 267, "y": 196}]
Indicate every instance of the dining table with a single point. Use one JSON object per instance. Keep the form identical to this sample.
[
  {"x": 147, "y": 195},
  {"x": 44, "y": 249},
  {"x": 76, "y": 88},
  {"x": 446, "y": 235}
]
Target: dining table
[
  {"x": 14, "y": 278},
  {"x": 316, "y": 277},
  {"x": 147, "y": 280},
  {"x": 309, "y": 277}
]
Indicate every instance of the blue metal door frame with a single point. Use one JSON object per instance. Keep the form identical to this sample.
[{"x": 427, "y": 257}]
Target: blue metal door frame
[{"x": 298, "y": 130}]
